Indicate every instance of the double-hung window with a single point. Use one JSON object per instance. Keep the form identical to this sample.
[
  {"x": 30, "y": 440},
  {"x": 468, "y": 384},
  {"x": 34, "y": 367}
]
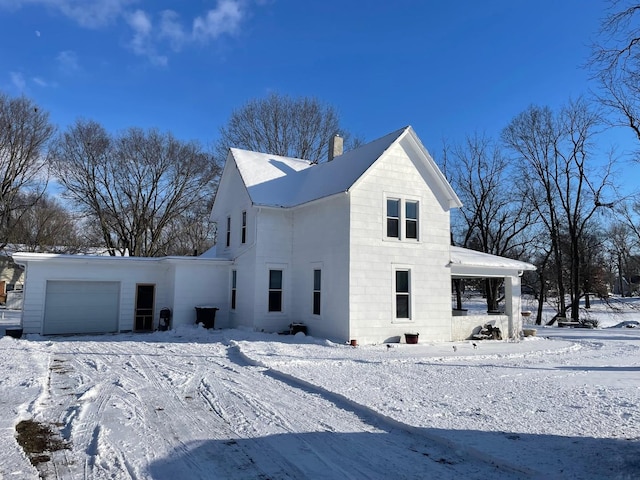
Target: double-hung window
[
  {"x": 393, "y": 218},
  {"x": 275, "y": 290},
  {"x": 228, "y": 242},
  {"x": 317, "y": 286},
  {"x": 411, "y": 219},
  {"x": 234, "y": 280},
  {"x": 403, "y": 293},
  {"x": 402, "y": 219},
  {"x": 243, "y": 231}
]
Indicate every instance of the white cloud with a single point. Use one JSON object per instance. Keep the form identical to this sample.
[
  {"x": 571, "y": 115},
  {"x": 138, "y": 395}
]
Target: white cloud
[
  {"x": 68, "y": 62},
  {"x": 172, "y": 29},
  {"x": 18, "y": 81},
  {"x": 40, "y": 82},
  {"x": 142, "y": 42},
  {"x": 225, "y": 18},
  {"x": 148, "y": 38},
  {"x": 87, "y": 13}
]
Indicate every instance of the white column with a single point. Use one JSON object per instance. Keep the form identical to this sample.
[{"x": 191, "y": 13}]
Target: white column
[{"x": 513, "y": 305}]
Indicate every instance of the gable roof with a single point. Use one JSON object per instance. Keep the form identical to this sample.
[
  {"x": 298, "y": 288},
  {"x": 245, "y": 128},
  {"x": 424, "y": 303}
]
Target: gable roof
[{"x": 277, "y": 181}]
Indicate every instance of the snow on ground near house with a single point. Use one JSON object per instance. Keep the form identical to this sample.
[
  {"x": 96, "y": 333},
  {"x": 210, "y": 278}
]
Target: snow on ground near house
[{"x": 234, "y": 404}]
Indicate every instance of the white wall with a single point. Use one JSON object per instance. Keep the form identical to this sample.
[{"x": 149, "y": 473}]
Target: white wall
[
  {"x": 373, "y": 256},
  {"x": 200, "y": 283},
  {"x": 321, "y": 241}
]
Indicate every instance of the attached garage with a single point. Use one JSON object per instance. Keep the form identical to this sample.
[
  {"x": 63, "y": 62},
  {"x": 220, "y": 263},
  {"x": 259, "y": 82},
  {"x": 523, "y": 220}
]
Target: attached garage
[{"x": 81, "y": 307}]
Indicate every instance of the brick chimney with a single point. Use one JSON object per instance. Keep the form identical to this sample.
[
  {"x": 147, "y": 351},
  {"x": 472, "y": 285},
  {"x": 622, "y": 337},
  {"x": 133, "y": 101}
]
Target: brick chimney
[{"x": 335, "y": 146}]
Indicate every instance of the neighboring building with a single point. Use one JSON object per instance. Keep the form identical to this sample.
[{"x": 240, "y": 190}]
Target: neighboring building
[{"x": 354, "y": 248}]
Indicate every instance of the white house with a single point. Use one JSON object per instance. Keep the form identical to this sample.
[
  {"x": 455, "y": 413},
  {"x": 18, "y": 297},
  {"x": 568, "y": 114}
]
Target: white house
[{"x": 354, "y": 248}]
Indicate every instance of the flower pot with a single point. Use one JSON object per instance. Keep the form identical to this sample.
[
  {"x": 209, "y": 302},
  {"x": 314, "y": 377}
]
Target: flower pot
[
  {"x": 354, "y": 343},
  {"x": 411, "y": 338}
]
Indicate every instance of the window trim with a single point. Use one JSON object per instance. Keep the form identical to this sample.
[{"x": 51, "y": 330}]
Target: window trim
[
  {"x": 271, "y": 290},
  {"x": 317, "y": 293},
  {"x": 243, "y": 229},
  {"x": 234, "y": 289},
  {"x": 396, "y": 268},
  {"x": 402, "y": 218}
]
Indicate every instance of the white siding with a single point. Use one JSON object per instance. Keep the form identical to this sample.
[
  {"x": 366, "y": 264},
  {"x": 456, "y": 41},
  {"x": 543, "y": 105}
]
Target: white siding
[
  {"x": 320, "y": 241},
  {"x": 374, "y": 257}
]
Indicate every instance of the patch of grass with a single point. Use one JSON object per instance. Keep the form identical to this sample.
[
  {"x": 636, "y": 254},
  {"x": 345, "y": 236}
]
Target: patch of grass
[{"x": 38, "y": 441}]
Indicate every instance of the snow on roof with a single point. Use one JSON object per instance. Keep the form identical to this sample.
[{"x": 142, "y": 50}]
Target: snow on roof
[
  {"x": 463, "y": 257},
  {"x": 272, "y": 180}
]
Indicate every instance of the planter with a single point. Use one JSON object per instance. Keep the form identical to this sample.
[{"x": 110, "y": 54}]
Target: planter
[
  {"x": 354, "y": 343},
  {"x": 526, "y": 313},
  {"x": 459, "y": 312},
  {"x": 411, "y": 338}
]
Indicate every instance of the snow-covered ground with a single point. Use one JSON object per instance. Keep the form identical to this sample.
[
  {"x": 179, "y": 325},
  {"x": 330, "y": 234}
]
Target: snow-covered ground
[{"x": 233, "y": 404}]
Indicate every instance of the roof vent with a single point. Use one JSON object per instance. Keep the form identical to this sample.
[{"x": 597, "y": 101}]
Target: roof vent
[{"x": 335, "y": 147}]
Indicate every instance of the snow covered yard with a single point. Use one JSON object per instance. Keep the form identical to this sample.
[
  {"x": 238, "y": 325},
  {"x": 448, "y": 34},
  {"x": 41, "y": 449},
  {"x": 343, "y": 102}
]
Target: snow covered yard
[{"x": 233, "y": 404}]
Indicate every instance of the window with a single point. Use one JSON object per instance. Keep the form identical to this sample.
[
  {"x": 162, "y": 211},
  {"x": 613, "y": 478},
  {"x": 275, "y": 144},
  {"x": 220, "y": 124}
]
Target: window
[
  {"x": 275, "y": 290},
  {"x": 402, "y": 219},
  {"x": 393, "y": 218},
  {"x": 403, "y": 294},
  {"x": 234, "y": 278},
  {"x": 228, "y": 231},
  {"x": 243, "y": 234},
  {"x": 317, "y": 282},
  {"x": 411, "y": 219}
]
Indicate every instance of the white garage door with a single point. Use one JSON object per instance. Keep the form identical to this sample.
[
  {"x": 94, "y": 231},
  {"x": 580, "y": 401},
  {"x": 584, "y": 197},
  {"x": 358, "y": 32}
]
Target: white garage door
[{"x": 81, "y": 307}]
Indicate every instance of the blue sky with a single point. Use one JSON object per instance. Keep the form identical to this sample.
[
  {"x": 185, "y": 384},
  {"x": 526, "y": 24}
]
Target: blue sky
[{"x": 448, "y": 68}]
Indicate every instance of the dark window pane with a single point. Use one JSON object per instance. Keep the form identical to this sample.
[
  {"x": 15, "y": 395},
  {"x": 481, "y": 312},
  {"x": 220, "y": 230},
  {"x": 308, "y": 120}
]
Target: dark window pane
[
  {"x": 275, "y": 279},
  {"x": 412, "y": 229},
  {"x": 275, "y": 301},
  {"x": 402, "y": 306},
  {"x": 233, "y": 299},
  {"x": 393, "y": 208},
  {"x": 411, "y": 210},
  {"x": 392, "y": 227},
  {"x": 234, "y": 277},
  {"x": 317, "y": 277},
  {"x": 402, "y": 281},
  {"x": 316, "y": 303}
]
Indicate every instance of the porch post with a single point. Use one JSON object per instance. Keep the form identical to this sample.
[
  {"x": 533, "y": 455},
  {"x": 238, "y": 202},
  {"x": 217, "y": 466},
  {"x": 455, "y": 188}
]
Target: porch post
[{"x": 512, "y": 300}]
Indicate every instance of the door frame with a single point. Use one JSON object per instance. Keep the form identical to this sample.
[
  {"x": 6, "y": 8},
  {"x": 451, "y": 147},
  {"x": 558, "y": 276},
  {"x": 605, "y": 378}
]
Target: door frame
[{"x": 147, "y": 315}]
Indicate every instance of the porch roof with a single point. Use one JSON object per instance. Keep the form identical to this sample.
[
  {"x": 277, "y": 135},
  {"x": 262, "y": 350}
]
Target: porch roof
[{"x": 471, "y": 263}]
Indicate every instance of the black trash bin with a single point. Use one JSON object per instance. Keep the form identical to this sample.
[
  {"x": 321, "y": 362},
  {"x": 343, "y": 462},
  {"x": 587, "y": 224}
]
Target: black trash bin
[
  {"x": 206, "y": 315},
  {"x": 165, "y": 319}
]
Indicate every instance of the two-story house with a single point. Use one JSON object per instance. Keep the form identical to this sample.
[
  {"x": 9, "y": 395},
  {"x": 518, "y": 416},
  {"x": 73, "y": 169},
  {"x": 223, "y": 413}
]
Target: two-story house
[{"x": 354, "y": 248}]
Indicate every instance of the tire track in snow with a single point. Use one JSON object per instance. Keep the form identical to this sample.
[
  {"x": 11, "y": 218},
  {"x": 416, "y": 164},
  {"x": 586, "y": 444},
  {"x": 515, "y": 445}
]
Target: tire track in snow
[{"x": 201, "y": 408}]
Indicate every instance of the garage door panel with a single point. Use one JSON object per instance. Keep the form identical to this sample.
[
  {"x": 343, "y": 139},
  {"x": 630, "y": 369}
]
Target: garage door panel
[{"x": 81, "y": 307}]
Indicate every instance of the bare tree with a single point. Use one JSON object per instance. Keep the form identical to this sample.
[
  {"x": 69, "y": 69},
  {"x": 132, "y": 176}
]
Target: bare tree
[
  {"x": 564, "y": 185},
  {"x": 281, "y": 125},
  {"x": 45, "y": 226},
  {"x": 494, "y": 216},
  {"x": 24, "y": 133},
  {"x": 615, "y": 62},
  {"x": 135, "y": 186}
]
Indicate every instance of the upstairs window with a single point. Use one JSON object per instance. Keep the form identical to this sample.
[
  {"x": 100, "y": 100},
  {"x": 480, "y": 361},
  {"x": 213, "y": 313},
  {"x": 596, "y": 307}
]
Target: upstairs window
[
  {"x": 411, "y": 220},
  {"x": 228, "y": 242},
  {"x": 275, "y": 290},
  {"x": 317, "y": 285},
  {"x": 393, "y": 218},
  {"x": 243, "y": 231},
  {"x": 402, "y": 219}
]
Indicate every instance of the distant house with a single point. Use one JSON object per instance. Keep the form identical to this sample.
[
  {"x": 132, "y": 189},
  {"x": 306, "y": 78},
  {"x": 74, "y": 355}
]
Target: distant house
[{"x": 354, "y": 248}]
